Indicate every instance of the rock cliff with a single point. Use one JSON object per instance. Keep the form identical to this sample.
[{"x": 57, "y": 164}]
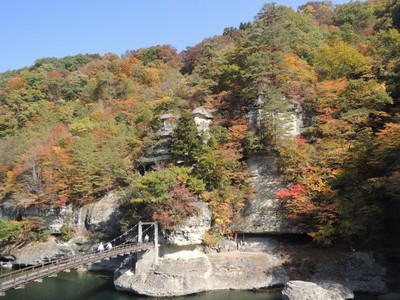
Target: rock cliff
[
  {"x": 100, "y": 220},
  {"x": 158, "y": 150},
  {"x": 265, "y": 213},
  {"x": 191, "y": 232}
]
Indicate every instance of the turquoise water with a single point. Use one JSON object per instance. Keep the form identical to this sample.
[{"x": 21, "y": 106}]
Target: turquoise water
[{"x": 99, "y": 286}]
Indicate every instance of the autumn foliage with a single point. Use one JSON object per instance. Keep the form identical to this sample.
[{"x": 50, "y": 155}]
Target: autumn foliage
[{"x": 74, "y": 128}]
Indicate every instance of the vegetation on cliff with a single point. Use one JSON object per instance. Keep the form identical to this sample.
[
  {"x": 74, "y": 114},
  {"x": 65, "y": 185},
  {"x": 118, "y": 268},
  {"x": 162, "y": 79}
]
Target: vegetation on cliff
[{"x": 75, "y": 128}]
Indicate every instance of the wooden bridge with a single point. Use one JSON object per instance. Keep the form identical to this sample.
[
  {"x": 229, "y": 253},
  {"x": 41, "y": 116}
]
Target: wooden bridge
[{"x": 126, "y": 243}]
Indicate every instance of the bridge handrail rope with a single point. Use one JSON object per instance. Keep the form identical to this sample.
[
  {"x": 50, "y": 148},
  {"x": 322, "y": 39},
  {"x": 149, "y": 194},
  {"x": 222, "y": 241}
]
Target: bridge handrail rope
[
  {"x": 113, "y": 241},
  {"x": 30, "y": 273},
  {"x": 132, "y": 240}
]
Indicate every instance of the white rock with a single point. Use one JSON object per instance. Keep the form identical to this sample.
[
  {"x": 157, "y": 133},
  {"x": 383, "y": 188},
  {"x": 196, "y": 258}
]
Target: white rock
[
  {"x": 265, "y": 213},
  {"x": 304, "y": 290},
  {"x": 183, "y": 274},
  {"x": 191, "y": 232}
]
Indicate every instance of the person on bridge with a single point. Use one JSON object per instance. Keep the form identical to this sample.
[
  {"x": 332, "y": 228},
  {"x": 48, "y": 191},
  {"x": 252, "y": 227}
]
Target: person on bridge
[
  {"x": 109, "y": 246},
  {"x": 100, "y": 248},
  {"x": 146, "y": 238}
]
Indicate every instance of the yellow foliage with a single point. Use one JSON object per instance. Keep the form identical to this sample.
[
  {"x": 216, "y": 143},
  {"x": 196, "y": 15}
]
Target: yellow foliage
[
  {"x": 299, "y": 70},
  {"x": 341, "y": 60}
]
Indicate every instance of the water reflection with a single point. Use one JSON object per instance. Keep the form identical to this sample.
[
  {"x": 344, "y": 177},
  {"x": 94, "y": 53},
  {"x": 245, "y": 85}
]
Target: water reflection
[{"x": 99, "y": 286}]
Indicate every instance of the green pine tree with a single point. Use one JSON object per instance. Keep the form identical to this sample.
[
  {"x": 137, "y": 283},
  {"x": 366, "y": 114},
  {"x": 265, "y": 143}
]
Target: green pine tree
[{"x": 185, "y": 142}]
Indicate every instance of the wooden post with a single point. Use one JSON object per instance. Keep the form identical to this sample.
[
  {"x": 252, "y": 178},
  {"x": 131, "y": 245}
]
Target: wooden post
[
  {"x": 140, "y": 232},
  {"x": 155, "y": 243}
]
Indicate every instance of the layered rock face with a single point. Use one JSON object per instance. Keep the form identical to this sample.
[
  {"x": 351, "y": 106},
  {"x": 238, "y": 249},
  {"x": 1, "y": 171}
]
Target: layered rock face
[
  {"x": 191, "y": 232},
  {"x": 100, "y": 220},
  {"x": 191, "y": 272},
  {"x": 43, "y": 252},
  {"x": 159, "y": 151},
  {"x": 53, "y": 216},
  {"x": 359, "y": 271},
  {"x": 102, "y": 217},
  {"x": 265, "y": 213}
]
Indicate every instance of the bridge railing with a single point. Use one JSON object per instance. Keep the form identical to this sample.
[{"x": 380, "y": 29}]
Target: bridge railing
[
  {"x": 123, "y": 244},
  {"x": 19, "y": 277},
  {"x": 127, "y": 236}
]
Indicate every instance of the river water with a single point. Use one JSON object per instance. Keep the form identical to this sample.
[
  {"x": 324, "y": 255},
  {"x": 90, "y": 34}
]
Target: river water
[{"x": 99, "y": 286}]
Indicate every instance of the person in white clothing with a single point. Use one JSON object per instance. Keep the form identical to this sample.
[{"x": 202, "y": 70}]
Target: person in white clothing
[{"x": 109, "y": 246}]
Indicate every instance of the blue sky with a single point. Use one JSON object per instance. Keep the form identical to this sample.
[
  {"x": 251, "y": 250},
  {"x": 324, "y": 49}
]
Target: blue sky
[{"x": 32, "y": 29}]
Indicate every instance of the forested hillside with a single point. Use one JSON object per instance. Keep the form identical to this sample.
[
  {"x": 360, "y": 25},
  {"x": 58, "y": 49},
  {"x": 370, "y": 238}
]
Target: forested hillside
[{"x": 74, "y": 128}]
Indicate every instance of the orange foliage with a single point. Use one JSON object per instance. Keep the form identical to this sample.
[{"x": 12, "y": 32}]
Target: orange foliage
[
  {"x": 126, "y": 67},
  {"x": 150, "y": 76},
  {"x": 54, "y": 74},
  {"x": 16, "y": 83},
  {"x": 328, "y": 92},
  {"x": 387, "y": 146},
  {"x": 237, "y": 133}
]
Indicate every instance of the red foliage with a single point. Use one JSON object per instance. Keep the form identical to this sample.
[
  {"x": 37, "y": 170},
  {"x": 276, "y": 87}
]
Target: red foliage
[
  {"x": 293, "y": 191},
  {"x": 164, "y": 218},
  {"x": 283, "y": 194},
  {"x": 300, "y": 140},
  {"x": 62, "y": 199},
  {"x": 59, "y": 131}
]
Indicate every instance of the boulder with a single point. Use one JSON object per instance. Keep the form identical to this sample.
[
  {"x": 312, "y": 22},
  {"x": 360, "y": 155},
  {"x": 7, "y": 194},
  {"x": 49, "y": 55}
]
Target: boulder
[
  {"x": 304, "y": 290},
  {"x": 102, "y": 217},
  {"x": 189, "y": 272},
  {"x": 39, "y": 252},
  {"x": 337, "y": 288}
]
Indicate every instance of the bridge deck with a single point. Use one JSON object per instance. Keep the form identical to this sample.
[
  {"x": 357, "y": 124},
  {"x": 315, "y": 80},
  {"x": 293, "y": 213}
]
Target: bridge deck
[{"x": 37, "y": 272}]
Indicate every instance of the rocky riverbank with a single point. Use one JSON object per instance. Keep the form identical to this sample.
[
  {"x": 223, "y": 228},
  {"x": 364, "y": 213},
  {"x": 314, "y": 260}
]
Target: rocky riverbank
[{"x": 188, "y": 272}]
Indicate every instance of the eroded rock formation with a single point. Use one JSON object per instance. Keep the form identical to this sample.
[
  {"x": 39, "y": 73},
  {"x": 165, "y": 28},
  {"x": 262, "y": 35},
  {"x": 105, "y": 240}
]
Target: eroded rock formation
[
  {"x": 191, "y": 232},
  {"x": 184, "y": 273},
  {"x": 265, "y": 213}
]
